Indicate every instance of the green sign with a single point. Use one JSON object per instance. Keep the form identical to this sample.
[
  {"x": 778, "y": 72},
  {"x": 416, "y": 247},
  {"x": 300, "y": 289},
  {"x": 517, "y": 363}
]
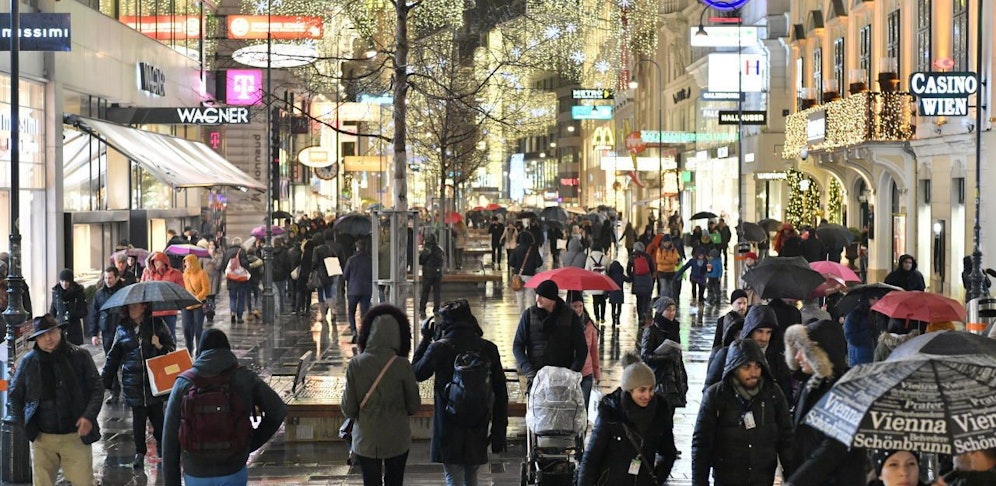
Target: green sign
[{"x": 655, "y": 137}]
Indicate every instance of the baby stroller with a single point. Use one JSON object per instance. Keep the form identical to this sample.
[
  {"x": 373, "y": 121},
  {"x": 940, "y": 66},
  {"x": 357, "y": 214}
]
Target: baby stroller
[{"x": 556, "y": 419}]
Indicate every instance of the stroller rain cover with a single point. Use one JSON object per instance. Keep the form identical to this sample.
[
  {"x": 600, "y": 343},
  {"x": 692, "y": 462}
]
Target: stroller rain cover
[{"x": 556, "y": 404}]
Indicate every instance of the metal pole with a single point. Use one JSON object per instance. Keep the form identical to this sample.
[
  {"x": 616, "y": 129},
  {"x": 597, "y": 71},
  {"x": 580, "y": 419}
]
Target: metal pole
[
  {"x": 976, "y": 278},
  {"x": 269, "y": 314},
  {"x": 660, "y": 148},
  {"x": 740, "y": 121},
  {"x": 14, "y": 449}
]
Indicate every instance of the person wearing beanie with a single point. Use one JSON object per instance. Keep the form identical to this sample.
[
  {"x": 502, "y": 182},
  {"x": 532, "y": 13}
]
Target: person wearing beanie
[
  {"x": 896, "y": 468},
  {"x": 549, "y": 333},
  {"x": 860, "y": 331},
  {"x": 214, "y": 358},
  {"x": 460, "y": 449},
  {"x": 660, "y": 348},
  {"x": 642, "y": 276},
  {"x": 69, "y": 306},
  {"x": 744, "y": 425},
  {"x": 592, "y": 370},
  {"x": 729, "y": 324},
  {"x": 698, "y": 269},
  {"x": 819, "y": 350},
  {"x": 633, "y": 431},
  {"x": 524, "y": 261}
]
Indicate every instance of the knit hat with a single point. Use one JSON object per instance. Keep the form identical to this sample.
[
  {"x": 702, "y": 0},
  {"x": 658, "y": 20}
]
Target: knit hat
[
  {"x": 213, "y": 339},
  {"x": 738, "y": 293},
  {"x": 713, "y": 253},
  {"x": 751, "y": 255},
  {"x": 882, "y": 455},
  {"x": 662, "y": 303},
  {"x": 66, "y": 274},
  {"x": 575, "y": 296},
  {"x": 548, "y": 289},
  {"x": 636, "y": 373}
]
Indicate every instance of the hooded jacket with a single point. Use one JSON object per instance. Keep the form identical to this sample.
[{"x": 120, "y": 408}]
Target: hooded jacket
[
  {"x": 196, "y": 280},
  {"x": 667, "y": 258},
  {"x": 132, "y": 346},
  {"x": 252, "y": 391},
  {"x": 595, "y": 258},
  {"x": 574, "y": 256},
  {"x": 721, "y": 441},
  {"x": 669, "y": 368},
  {"x": 168, "y": 274},
  {"x": 759, "y": 316},
  {"x": 381, "y": 429},
  {"x": 610, "y": 451},
  {"x": 819, "y": 459},
  {"x": 908, "y": 280},
  {"x": 728, "y": 328},
  {"x": 617, "y": 273},
  {"x": 888, "y": 341},
  {"x": 451, "y": 443},
  {"x": 860, "y": 330}
]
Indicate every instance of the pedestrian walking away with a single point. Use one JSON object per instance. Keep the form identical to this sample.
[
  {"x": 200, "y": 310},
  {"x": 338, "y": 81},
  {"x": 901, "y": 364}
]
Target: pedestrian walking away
[
  {"x": 432, "y": 259},
  {"x": 358, "y": 275},
  {"x": 591, "y": 373},
  {"x": 470, "y": 409},
  {"x": 55, "y": 395},
  {"x": 216, "y": 377}
]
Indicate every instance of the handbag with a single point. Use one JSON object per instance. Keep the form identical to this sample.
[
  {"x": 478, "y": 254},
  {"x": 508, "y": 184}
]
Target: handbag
[
  {"x": 234, "y": 271},
  {"x": 295, "y": 273},
  {"x": 517, "y": 284},
  {"x": 314, "y": 280},
  {"x": 346, "y": 430}
]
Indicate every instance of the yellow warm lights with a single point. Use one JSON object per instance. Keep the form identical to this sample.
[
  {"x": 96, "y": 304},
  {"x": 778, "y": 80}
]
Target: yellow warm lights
[{"x": 861, "y": 117}]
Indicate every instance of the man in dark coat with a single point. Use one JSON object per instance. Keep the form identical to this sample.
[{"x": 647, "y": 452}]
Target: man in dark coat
[
  {"x": 55, "y": 396},
  {"x": 496, "y": 230},
  {"x": 103, "y": 323},
  {"x": 176, "y": 260},
  {"x": 549, "y": 333},
  {"x": 813, "y": 249},
  {"x": 744, "y": 426},
  {"x": 819, "y": 350},
  {"x": 906, "y": 275},
  {"x": 759, "y": 326},
  {"x": 787, "y": 314},
  {"x": 432, "y": 259},
  {"x": 358, "y": 275},
  {"x": 460, "y": 449},
  {"x": 69, "y": 306}
]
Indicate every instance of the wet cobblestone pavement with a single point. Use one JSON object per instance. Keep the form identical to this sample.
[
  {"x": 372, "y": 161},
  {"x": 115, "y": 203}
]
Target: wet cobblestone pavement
[{"x": 274, "y": 349}]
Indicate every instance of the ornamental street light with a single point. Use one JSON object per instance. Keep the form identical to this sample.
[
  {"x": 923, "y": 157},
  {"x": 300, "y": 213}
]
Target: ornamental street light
[
  {"x": 976, "y": 279},
  {"x": 633, "y": 84}
]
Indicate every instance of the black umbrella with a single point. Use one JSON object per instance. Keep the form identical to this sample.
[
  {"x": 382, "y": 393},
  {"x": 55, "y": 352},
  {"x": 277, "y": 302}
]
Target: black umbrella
[
  {"x": 595, "y": 218},
  {"x": 704, "y": 215},
  {"x": 553, "y": 213},
  {"x": 863, "y": 292},
  {"x": 782, "y": 277},
  {"x": 934, "y": 394},
  {"x": 161, "y": 294},
  {"x": 752, "y": 232},
  {"x": 527, "y": 215},
  {"x": 834, "y": 235},
  {"x": 770, "y": 224},
  {"x": 353, "y": 224},
  {"x": 282, "y": 215}
]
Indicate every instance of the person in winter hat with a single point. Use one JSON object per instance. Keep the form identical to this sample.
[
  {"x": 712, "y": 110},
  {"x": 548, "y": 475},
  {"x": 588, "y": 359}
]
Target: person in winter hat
[
  {"x": 906, "y": 275},
  {"x": 731, "y": 323},
  {"x": 759, "y": 326},
  {"x": 549, "y": 333},
  {"x": 69, "y": 306},
  {"x": 633, "y": 432},
  {"x": 819, "y": 350},
  {"x": 896, "y": 468},
  {"x": 660, "y": 347},
  {"x": 744, "y": 425}
]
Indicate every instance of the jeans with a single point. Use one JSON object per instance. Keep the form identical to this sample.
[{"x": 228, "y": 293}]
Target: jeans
[
  {"x": 383, "y": 472},
  {"x": 239, "y": 478},
  {"x": 193, "y": 326},
  {"x": 171, "y": 325},
  {"x": 280, "y": 288},
  {"x": 152, "y": 413},
  {"x": 586, "y": 384},
  {"x": 237, "y": 297},
  {"x": 460, "y": 474},
  {"x": 699, "y": 290},
  {"x": 665, "y": 285},
  {"x": 435, "y": 283},
  {"x": 351, "y": 302},
  {"x": 525, "y": 297},
  {"x": 496, "y": 251},
  {"x": 599, "y": 303},
  {"x": 327, "y": 293}
]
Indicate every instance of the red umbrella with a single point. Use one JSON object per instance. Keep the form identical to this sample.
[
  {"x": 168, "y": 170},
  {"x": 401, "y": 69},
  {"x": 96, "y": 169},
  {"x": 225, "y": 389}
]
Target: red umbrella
[
  {"x": 493, "y": 206},
  {"x": 573, "y": 278},
  {"x": 831, "y": 286},
  {"x": 920, "y": 306},
  {"x": 478, "y": 208},
  {"x": 453, "y": 218},
  {"x": 834, "y": 269}
]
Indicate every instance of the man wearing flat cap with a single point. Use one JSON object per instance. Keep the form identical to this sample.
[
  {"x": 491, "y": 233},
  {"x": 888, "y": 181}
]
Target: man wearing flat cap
[
  {"x": 549, "y": 333},
  {"x": 56, "y": 396}
]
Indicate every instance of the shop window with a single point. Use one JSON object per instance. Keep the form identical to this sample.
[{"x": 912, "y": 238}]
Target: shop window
[
  {"x": 818, "y": 71},
  {"x": 959, "y": 32},
  {"x": 893, "y": 36},
  {"x": 864, "y": 52},
  {"x": 923, "y": 35},
  {"x": 838, "y": 64}
]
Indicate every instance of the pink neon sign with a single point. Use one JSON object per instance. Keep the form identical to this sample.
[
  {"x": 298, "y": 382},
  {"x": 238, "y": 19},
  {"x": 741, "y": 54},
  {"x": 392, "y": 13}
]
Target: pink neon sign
[{"x": 243, "y": 86}]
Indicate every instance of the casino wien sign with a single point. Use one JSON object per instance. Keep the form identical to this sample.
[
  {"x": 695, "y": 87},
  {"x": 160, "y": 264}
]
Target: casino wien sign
[{"x": 944, "y": 94}]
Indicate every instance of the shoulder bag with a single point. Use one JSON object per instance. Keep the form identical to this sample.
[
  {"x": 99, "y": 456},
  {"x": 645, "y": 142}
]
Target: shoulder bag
[
  {"x": 346, "y": 431},
  {"x": 516, "y": 284}
]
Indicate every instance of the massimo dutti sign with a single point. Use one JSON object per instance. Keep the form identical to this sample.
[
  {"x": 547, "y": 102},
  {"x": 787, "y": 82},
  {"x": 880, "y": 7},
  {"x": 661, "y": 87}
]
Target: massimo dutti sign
[
  {"x": 199, "y": 115},
  {"x": 38, "y": 32}
]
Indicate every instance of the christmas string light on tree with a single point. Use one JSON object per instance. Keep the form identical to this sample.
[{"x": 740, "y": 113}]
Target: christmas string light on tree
[
  {"x": 835, "y": 201},
  {"x": 803, "y": 206}
]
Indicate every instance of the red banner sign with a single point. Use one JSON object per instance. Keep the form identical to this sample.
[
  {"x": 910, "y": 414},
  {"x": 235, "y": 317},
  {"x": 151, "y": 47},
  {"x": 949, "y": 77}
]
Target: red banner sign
[
  {"x": 165, "y": 27},
  {"x": 279, "y": 27}
]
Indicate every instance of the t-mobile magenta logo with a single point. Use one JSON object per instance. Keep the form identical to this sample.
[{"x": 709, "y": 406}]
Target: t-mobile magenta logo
[{"x": 243, "y": 86}]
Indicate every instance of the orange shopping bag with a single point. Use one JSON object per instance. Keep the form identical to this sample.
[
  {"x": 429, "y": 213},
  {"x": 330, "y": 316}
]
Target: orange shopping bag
[{"x": 164, "y": 369}]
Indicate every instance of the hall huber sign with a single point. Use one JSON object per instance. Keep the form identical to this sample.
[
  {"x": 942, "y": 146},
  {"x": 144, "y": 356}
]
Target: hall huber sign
[{"x": 943, "y": 93}]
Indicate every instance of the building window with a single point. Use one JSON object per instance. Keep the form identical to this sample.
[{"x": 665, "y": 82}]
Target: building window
[
  {"x": 959, "y": 48},
  {"x": 800, "y": 75},
  {"x": 818, "y": 71},
  {"x": 892, "y": 39},
  {"x": 838, "y": 64},
  {"x": 923, "y": 35},
  {"x": 864, "y": 53}
]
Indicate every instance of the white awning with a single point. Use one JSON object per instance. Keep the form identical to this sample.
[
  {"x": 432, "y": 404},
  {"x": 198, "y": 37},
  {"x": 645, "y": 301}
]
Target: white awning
[{"x": 175, "y": 161}]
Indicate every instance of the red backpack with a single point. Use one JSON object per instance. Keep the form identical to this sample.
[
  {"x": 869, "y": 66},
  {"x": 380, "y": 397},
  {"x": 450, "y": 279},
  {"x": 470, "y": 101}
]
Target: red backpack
[
  {"x": 641, "y": 265},
  {"x": 214, "y": 423}
]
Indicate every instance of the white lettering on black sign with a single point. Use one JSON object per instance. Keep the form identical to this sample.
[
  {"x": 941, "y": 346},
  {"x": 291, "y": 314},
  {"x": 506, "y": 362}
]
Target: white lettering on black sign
[
  {"x": 944, "y": 94},
  {"x": 235, "y": 115}
]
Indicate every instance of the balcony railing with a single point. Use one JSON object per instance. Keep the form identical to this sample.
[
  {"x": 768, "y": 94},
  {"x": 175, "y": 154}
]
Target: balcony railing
[{"x": 858, "y": 118}]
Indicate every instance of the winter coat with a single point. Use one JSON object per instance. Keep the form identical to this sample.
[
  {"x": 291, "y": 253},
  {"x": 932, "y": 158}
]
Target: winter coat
[
  {"x": 212, "y": 265},
  {"x": 281, "y": 264},
  {"x": 511, "y": 237},
  {"x": 381, "y": 430},
  {"x": 642, "y": 284},
  {"x": 592, "y": 365},
  {"x": 69, "y": 307},
  {"x": 358, "y": 274},
  {"x": 574, "y": 256},
  {"x": 860, "y": 331},
  {"x": 629, "y": 236},
  {"x": 82, "y": 395},
  {"x": 526, "y": 255},
  {"x": 253, "y": 392},
  {"x": 616, "y": 272},
  {"x": 666, "y": 259},
  {"x": 721, "y": 442},
  {"x": 306, "y": 265},
  {"x": 452, "y": 443},
  {"x": 322, "y": 252},
  {"x": 908, "y": 280},
  {"x": 106, "y": 321},
  {"x": 497, "y": 232},
  {"x": 669, "y": 368},
  {"x": 714, "y": 269},
  {"x": 610, "y": 451},
  {"x": 820, "y": 459},
  {"x": 549, "y": 338},
  {"x": 432, "y": 259},
  {"x": 169, "y": 274},
  {"x": 728, "y": 329},
  {"x": 888, "y": 341},
  {"x": 813, "y": 250},
  {"x": 595, "y": 258},
  {"x": 786, "y": 315},
  {"x": 698, "y": 269},
  {"x": 460, "y": 234},
  {"x": 132, "y": 346},
  {"x": 195, "y": 280}
]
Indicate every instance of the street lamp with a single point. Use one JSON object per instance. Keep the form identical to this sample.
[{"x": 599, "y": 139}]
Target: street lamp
[
  {"x": 633, "y": 84},
  {"x": 976, "y": 279}
]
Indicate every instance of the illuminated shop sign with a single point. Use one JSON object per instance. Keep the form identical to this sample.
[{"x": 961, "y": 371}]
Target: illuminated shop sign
[
  {"x": 944, "y": 94},
  {"x": 724, "y": 36},
  {"x": 733, "y": 72},
  {"x": 655, "y": 137},
  {"x": 38, "y": 32},
  {"x": 243, "y": 87},
  {"x": 200, "y": 115},
  {"x": 165, "y": 27},
  {"x": 591, "y": 112},
  {"x": 276, "y": 26}
]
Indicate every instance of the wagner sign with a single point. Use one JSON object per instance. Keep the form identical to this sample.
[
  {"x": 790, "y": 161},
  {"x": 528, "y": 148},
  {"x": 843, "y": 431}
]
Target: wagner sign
[
  {"x": 38, "y": 32},
  {"x": 944, "y": 94},
  {"x": 201, "y": 115}
]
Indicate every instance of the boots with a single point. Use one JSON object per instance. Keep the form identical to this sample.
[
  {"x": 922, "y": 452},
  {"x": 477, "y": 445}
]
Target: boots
[{"x": 322, "y": 310}]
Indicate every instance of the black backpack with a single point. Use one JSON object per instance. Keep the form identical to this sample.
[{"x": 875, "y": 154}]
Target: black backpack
[{"x": 468, "y": 395}]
